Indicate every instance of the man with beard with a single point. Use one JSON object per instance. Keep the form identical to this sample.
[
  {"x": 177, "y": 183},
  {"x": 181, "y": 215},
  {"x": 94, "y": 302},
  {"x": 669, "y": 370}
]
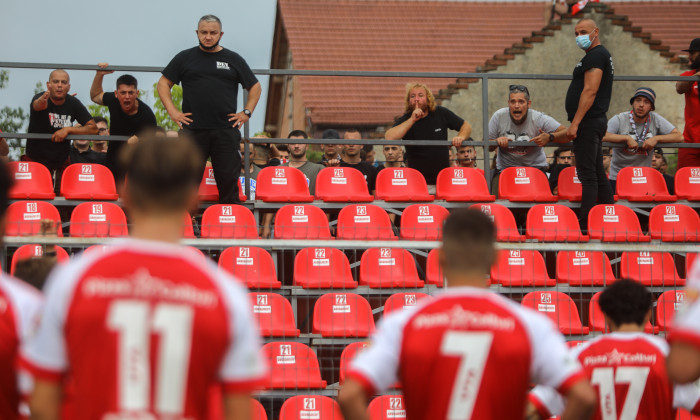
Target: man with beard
[
  {"x": 691, "y": 133},
  {"x": 641, "y": 129},
  {"x": 352, "y": 158},
  {"x": 56, "y": 112},
  {"x": 128, "y": 114},
  {"x": 518, "y": 122},
  {"x": 297, "y": 159},
  {"x": 210, "y": 75}
]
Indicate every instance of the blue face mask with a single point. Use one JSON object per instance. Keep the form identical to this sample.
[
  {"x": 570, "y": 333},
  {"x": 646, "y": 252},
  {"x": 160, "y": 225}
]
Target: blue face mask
[{"x": 583, "y": 41}]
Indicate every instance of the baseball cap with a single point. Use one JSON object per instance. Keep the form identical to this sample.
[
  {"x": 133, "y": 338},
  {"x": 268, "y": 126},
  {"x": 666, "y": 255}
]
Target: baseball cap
[
  {"x": 647, "y": 93},
  {"x": 331, "y": 134},
  {"x": 694, "y": 45}
]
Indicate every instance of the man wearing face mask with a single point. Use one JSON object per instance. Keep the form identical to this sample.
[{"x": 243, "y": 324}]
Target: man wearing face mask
[
  {"x": 587, "y": 101},
  {"x": 691, "y": 133}
]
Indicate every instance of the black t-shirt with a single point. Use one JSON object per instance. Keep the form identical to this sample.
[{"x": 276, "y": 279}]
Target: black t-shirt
[
  {"x": 209, "y": 85},
  {"x": 367, "y": 169},
  {"x": 430, "y": 160},
  {"x": 598, "y": 58},
  {"x": 554, "y": 171},
  {"x": 122, "y": 124},
  {"x": 88, "y": 156},
  {"x": 50, "y": 120}
]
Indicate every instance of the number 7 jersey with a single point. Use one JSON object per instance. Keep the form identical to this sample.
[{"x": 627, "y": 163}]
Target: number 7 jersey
[{"x": 144, "y": 330}]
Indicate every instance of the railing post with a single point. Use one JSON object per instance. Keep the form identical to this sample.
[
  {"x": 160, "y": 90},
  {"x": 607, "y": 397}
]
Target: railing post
[
  {"x": 485, "y": 127},
  {"x": 246, "y": 147}
]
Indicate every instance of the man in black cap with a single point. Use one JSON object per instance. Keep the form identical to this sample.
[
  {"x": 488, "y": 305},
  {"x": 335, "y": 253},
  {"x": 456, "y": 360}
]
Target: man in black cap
[
  {"x": 691, "y": 133},
  {"x": 641, "y": 130}
]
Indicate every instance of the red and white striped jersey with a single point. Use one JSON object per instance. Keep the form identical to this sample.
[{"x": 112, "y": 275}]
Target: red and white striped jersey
[
  {"x": 145, "y": 329},
  {"x": 468, "y": 354}
]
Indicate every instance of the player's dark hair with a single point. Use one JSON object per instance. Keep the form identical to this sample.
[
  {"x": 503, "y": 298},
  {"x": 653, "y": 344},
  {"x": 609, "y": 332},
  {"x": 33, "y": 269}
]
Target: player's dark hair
[
  {"x": 162, "y": 172},
  {"x": 625, "y": 302},
  {"x": 127, "y": 79},
  {"x": 99, "y": 119},
  {"x": 6, "y": 182},
  {"x": 298, "y": 133},
  {"x": 467, "y": 241}
]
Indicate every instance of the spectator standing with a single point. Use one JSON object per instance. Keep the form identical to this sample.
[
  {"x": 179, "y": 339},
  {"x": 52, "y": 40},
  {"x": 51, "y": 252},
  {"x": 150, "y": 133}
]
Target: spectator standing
[
  {"x": 100, "y": 146},
  {"x": 283, "y": 151},
  {"x": 393, "y": 157},
  {"x": 297, "y": 159},
  {"x": 423, "y": 119},
  {"x": 563, "y": 158},
  {"x": 659, "y": 163},
  {"x": 331, "y": 152},
  {"x": 691, "y": 133},
  {"x": 352, "y": 158},
  {"x": 641, "y": 130},
  {"x": 210, "y": 75},
  {"x": 587, "y": 101}
]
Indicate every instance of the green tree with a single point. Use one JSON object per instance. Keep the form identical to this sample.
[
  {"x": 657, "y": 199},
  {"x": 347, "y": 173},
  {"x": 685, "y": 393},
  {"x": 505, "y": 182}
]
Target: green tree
[
  {"x": 12, "y": 119},
  {"x": 162, "y": 117},
  {"x": 99, "y": 111}
]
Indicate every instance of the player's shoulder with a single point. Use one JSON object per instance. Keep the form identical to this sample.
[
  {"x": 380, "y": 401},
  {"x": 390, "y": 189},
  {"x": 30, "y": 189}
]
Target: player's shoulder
[{"x": 19, "y": 292}]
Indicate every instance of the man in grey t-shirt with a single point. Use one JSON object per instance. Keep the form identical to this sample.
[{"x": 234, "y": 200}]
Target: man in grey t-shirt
[
  {"x": 641, "y": 130},
  {"x": 518, "y": 122}
]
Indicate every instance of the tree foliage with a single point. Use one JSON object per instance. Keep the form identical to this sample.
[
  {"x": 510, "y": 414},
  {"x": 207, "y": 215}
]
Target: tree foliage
[
  {"x": 12, "y": 119},
  {"x": 162, "y": 117}
]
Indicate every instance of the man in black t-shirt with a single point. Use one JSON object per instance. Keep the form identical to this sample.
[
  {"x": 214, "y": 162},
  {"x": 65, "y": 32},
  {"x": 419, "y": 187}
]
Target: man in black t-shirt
[
  {"x": 587, "y": 101},
  {"x": 56, "y": 112},
  {"x": 210, "y": 75},
  {"x": 352, "y": 159},
  {"x": 424, "y": 120},
  {"x": 129, "y": 116}
]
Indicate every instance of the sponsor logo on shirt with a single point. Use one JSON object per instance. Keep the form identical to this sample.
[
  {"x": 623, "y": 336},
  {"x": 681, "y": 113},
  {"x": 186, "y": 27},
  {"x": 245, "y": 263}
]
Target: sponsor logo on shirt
[
  {"x": 458, "y": 317},
  {"x": 617, "y": 358}
]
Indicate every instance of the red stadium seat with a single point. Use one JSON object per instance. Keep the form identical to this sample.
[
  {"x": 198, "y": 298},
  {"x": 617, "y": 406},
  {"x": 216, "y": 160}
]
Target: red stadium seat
[
  {"x": 553, "y": 223},
  {"x": 401, "y": 301},
  {"x": 251, "y": 265},
  {"x": 97, "y": 248},
  {"x": 24, "y": 218},
  {"x": 584, "y": 268},
  {"x": 315, "y": 407},
  {"x": 650, "y": 268},
  {"x": 524, "y": 184},
  {"x": 208, "y": 191},
  {"x": 282, "y": 184},
  {"x": 388, "y": 268},
  {"x": 301, "y": 221},
  {"x": 385, "y": 407},
  {"x": 88, "y": 181},
  {"x": 343, "y": 315},
  {"x": 98, "y": 220},
  {"x": 187, "y": 227},
  {"x": 668, "y": 304},
  {"x": 573, "y": 344},
  {"x": 216, "y": 406},
  {"x": 683, "y": 414},
  {"x": 674, "y": 223},
  {"x": 342, "y": 185},
  {"x": 274, "y": 314},
  {"x": 347, "y": 356},
  {"x": 322, "y": 268},
  {"x": 521, "y": 268},
  {"x": 615, "y": 223},
  {"x": 364, "y": 222},
  {"x": 596, "y": 321},
  {"x": 423, "y": 222},
  {"x": 402, "y": 184},
  {"x": 231, "y": 221},
  {"x": 642, "y": 184},
  {"x": 433, "y": 271},
  {"x": 292, "y": 366},
  {"x": 687, "y": 184},
  {"x": 32, "y": 181},
  {"x": 506, "y": 229},
  {"x": 559, "y": 307},
  {"x": 34, "y": 250},
  {"x": 462, "y": 184},
  {"x": 569, "y": 186}
]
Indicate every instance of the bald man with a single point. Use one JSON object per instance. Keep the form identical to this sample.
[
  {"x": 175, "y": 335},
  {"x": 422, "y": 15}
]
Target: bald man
[{"x": 587, "y": 101}]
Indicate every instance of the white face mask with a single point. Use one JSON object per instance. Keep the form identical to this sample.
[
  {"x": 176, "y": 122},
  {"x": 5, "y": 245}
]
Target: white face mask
[{"x": 584, "y": 41}]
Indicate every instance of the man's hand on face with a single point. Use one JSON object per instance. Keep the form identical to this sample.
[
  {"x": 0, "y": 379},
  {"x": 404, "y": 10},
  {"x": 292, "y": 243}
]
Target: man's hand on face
[{"x": 417, "y": 113}]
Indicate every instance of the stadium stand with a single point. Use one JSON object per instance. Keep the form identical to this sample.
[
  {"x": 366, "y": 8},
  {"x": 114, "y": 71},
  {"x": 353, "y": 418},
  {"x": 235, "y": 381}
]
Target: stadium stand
[
  {"x": 615, "y": 223},
  {"x": 584, "y": 268},
  {"x": 98, "y": 219},
  {"x": 553, "y": 223},
  {"x": 24, "y": 218},
  {"x": 208, "y": 191},
  {"x": 423, "y": 222},
  {"x": 32, "y": 181},
  {"x": 282, "y": 184},
  {"x": 687, "y": 184},
  {"x": 231, "y": 221},
  {"x": 524, "y": 184},
  {"x": 316, "y": 407},
  {"x": 506, "y": 229},
  {"x": 401, "y": 301},
  {"x": 650, "y": 268},
  {"x": 187, "y": 226},
  {"x": 596, "y": 321},
  {"x": 385, "y": 407},
  {"x": 569, "y": 186},
  {"x": 322, "y": 268},
  {"x": 642, "y": 184},
  {"x": 292, "y": 365},
  {"x": 349, "y": 353},
  {"x": 32, "y": 251},
  {"x": 364, "y": 221},
  {"x": 252, "y": 265},
  {"x": 667, "y": 305},
  {"x": 674, "y": 223},
  {"x": 388, "y": 268},
  {"x": 274, "y": 314},
  {"x": 402, "y": 184},
  {"x": 343, "y": 315},
  {"x": 301, "y": 221},
  {"x": 520, "y": 268},
  {"x": 341, "y": 185},
  {"x": 558, "y": 307},
  {"x": 433, "y": 271},
  {"x": 462, "y": 184},
  {"x": 88, "y": 181}
]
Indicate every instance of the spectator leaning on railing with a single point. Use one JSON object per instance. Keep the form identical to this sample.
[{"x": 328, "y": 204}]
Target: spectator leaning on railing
[{"x": 691, "y": 133}]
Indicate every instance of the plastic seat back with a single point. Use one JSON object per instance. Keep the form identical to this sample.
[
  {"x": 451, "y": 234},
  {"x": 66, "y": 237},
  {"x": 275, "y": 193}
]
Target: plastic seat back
[
  {"x": 687, "y": 183},
  {"x": 292, "y": 366},
  {"x": 343, "y": 315},
  {"x": 553, "y": 223},
  {"x": 615, "y": 223},
  {"x": 423, "y": 222},
  {"x": 282, "y": 184},
  {"x": 462, "y": 184},
  {"x": 642, "y": 184},
  {"x": 568, "y": 185},
  {"x": 502, "y": 217},
  {"x": 388, "y": 268},
  {"x": 252, "y": 265},
  {"x": 316, "y": 407},
  {"x": 596, "y": 321},
  {"x": 346, "y": 357},
  {"x": 231, "y": 221},
  {"x": 401, "y": 301},
  {"x": 433, "y": 271},
  {"x": 322, "y": 268},
  {"x": 34, "y": 251},
  {"x": 559, "y": 307},
  {"x": 515, "y": 267},
  {"x": 88, "y": 181},
  {"x": 98, "y": 220},
  {"x": 187, "y": 227},
  {"x": 274, "y": 314},
  {"x": 650, "y": 268},
  {"x": 364, "y": 222},
  {"x": 674, "y": 223},
  {"x": 668, "y": 304},
  {"x": 385, "y": 407},
  {"x": 342, "y": 185},
  {"x": 584, "y": 268},
  {"x": 402, "y": 184},
  {"x": 24, "y": 218},
  {"x": 209, "y": 191},
  {"x": 216, "y": 406},
  {"x": 301, "y": 221},
  {"x": 523, "y": 183},
  {"x": 32, "y": 181}
]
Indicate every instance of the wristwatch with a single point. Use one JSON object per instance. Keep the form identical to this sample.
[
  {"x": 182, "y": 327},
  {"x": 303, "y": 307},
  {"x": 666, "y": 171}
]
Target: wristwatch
[
  {"x": 247, "y": 112},
  {"x": 551, "y": 137}
]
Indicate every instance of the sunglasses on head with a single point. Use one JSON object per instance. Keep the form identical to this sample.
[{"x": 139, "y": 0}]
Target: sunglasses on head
[{"x": 519, "y": 88}]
